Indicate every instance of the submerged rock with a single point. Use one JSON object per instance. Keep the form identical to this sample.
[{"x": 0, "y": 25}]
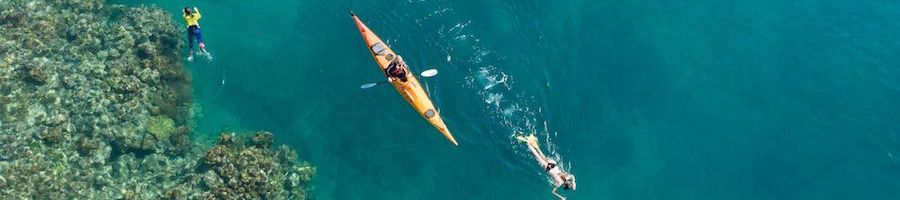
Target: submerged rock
[
  {"x": 95, "y": 104},
  {"x": 262, "y": 139},
  {"x": 53, "y": 135},
  {"x": 254, "y": 171},
  {"x": 102, "y": 64},
  {"x": 161, "y": 127}
]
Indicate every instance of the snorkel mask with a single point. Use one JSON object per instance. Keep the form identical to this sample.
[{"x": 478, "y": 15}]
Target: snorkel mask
[{"x": 570, "y": 182}]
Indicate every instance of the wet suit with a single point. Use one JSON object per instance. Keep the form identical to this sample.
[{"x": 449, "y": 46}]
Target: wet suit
[{"x": 193, "y": 24}]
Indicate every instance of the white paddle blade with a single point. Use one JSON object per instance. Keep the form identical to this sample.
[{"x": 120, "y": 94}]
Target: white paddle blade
[
  {"x": 429, "y": 73},
  {"x": 367, "y": 85}
]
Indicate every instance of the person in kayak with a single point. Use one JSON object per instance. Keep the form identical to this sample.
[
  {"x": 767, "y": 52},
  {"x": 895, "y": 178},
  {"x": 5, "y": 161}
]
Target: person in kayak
[
  {"x": 192, "y": 18},
  {"x": 560, "y": 177},
  {"x": 397, "y": 69}
]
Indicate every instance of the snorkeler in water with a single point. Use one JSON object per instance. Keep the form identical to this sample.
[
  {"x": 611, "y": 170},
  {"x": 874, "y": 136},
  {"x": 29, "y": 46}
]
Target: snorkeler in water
[
  {"x": 560, "y": 178},
  {"x": 192, "y": 18}
]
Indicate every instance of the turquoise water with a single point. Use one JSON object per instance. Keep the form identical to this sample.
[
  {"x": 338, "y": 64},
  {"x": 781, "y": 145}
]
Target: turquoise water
[{"x": 640, "y": 100}]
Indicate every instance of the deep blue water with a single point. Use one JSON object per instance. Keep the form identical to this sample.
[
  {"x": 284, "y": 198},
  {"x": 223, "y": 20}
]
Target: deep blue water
[{"x": 643, "y": 99}]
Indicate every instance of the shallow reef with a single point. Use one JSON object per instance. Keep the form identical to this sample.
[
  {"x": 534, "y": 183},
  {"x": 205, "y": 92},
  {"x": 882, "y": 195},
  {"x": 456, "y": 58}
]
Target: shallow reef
[
  {"x": 250, "y": 168},
  {"x": 95, "y": 103},
  {"x": 82, "y": 69}
]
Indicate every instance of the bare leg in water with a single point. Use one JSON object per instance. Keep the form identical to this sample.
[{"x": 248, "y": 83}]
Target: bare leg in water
[{"x": 535, "y": 150}]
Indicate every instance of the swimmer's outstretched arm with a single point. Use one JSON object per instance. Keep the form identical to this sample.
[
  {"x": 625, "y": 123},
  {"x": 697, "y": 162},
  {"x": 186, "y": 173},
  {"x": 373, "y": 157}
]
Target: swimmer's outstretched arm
[{"x": 557, "y": 194}]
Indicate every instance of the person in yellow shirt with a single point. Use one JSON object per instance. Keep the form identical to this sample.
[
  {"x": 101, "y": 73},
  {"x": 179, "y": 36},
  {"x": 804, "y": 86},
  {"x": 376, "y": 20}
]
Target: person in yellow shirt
[{"x": 192, "y": 18}]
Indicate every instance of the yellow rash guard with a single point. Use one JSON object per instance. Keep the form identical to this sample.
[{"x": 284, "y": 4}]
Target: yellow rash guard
[{"x": 192, "y": 19}]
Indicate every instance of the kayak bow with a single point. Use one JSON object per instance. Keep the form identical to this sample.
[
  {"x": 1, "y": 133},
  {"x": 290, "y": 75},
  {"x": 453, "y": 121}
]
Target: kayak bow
[{"x": 411, "y": 90}]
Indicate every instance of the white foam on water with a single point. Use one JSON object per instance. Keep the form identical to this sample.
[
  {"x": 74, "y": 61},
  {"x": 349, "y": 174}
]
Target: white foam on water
[
  {"x": 459, "y": 26},
  {"x": 493, "y": 99},
  {"x": 432, "y": 14},
  {"x": 509, "y": 108}
]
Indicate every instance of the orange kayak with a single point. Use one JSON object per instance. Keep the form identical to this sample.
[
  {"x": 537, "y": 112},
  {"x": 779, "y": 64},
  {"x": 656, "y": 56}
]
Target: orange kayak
[{"x": 411, "y": 90}]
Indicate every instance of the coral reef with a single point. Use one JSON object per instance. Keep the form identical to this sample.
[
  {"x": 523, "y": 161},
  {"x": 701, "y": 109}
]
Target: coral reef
[
  {"x": 95, "y": 103},
  {"x": 161, "y": 127},
  {"x": 232, "y": 170},
  {"x": 253, "y": 170},
  {"x": 77, "y": 69}
]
